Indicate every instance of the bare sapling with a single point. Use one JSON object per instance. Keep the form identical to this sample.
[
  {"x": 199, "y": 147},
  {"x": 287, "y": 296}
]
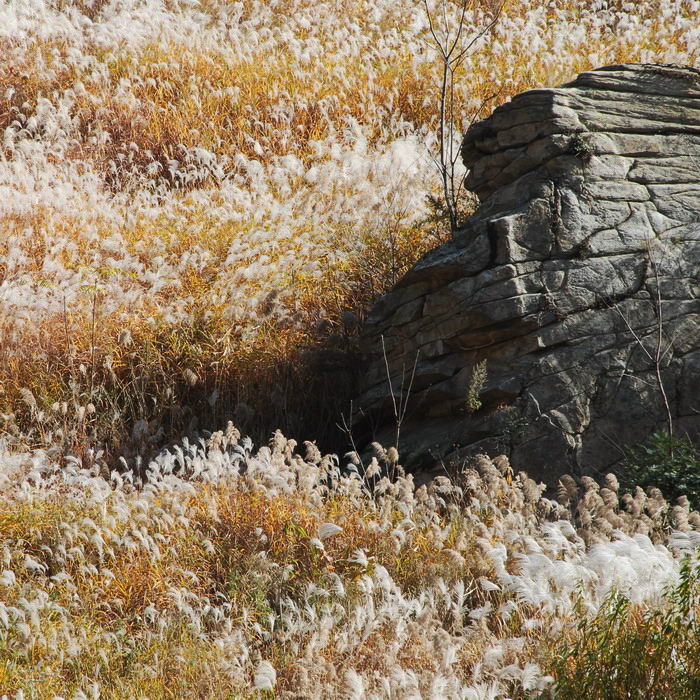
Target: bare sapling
[
  {"x": 453, "y": 41},
  {"x": 346, "y": 426},
  {"x": 399, "y": 401},
  {"x": 662, "y": 345}
]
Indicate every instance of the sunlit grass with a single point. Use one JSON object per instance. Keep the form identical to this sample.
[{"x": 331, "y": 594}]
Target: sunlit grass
[
  {"x": 183, "y": 584},
  {"x": 243, "y": 179},
  {"x": 199, "y": 203}
]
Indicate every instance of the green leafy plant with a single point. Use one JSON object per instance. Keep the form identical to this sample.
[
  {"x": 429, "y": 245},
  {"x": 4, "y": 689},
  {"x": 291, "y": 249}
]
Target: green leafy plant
[
  {"x": 625, "y": 652},
  {"x": 580, "y": 148},
  {"x": 669, "y": 463}
]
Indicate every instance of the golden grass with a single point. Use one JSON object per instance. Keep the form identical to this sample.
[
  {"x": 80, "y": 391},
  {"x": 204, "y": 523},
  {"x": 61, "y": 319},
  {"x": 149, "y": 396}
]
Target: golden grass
[
  {"x": 121, "y": 351},
  {"x": 179, "y": 588},
  {"x": 235, "y": 523},
  {"x": 264, "y": 103}
]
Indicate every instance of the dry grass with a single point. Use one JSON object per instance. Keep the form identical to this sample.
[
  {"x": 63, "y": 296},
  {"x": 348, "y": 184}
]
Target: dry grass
[
  {"x": 222, "y": 561},
  {"x": 224, "y": 187},
  {"x": 198, "y": 205}
]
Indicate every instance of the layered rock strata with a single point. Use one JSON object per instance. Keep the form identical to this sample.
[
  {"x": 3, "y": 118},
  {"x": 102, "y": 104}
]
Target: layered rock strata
[{"x": 576, "y": 282}]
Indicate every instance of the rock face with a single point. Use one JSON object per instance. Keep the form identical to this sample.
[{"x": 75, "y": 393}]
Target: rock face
[{"x": 577, "y": 282}]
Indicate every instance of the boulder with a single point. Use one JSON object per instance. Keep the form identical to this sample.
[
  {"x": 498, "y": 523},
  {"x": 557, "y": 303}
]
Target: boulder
[{"x": 575, "y": 286}]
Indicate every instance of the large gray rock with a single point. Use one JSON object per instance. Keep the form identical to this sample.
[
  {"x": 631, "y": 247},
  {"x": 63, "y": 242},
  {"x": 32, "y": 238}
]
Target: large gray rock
[{"x": 576, "y": 280}]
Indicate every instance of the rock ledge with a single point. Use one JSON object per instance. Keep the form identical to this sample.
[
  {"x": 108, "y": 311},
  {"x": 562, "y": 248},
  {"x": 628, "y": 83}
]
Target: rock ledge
[{"x": 577, "y": 281}]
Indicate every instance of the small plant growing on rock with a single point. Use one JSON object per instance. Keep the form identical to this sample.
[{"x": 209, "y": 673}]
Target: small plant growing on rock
[
  {"x": 579, "y": 148},
  {"x": 476, "y": 386}
]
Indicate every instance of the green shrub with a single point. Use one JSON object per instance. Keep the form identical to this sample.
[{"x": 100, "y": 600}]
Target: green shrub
[
  {"x": 627, "y": 652},
  {"x": 669, "y": 463}
]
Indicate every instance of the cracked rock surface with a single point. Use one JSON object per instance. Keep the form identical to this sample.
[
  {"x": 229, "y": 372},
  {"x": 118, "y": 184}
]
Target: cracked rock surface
[{"x": 577, "y": 281}]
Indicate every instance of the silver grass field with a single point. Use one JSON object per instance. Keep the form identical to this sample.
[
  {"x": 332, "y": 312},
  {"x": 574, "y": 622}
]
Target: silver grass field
[{"x": 195, "y": 194}]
